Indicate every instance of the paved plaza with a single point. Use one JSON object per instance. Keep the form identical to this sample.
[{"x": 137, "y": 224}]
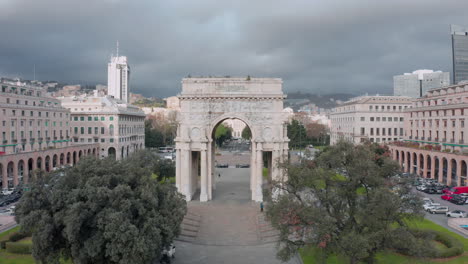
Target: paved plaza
[{"x": 230, "y": 228}]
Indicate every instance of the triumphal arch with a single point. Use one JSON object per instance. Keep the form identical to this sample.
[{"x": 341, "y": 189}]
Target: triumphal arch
[{"x": 206, "y": 102}]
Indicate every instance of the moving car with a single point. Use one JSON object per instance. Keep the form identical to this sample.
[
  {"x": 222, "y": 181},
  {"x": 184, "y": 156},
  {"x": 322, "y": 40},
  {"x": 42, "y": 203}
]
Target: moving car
[{"x": 456, "y": 213}]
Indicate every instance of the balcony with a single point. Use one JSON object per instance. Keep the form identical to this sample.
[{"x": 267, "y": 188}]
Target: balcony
[
  {"x": 422, "y": 138},
  {"x": 410, "y": 137},
  {"x": 14, "y": 141},
  {"x": 416, "y": 137},
  {"x": 452, "y": 140},
  {"x": 47, "y": 138},
  {"x": 40, "y": 139},
  {"x": 461, "y": 141},
  {"x": 444, "y": 140},
  {"x": 436, "y": 139},
  {"x": 5, "y": 141},
  {"x": 429, "y": 138},
  {"x": 55, "y": 138},
  {"x": 23, "y": 140}
]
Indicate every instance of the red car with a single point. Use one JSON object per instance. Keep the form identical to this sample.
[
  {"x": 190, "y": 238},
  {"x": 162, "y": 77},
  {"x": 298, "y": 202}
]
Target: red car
[{"x": 447, "y": 197}]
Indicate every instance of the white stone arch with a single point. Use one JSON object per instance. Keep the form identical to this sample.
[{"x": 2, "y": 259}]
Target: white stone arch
[
  {"x": 231, "y": 115},
  {"x": 206, "y": 102}
]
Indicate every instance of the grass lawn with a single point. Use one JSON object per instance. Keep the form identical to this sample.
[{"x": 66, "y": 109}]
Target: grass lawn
[{"x": 308, "y": 255}]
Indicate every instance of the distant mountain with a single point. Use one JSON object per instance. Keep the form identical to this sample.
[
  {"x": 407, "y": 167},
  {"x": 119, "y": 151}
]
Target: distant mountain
[{"x": 298, "y": 99}]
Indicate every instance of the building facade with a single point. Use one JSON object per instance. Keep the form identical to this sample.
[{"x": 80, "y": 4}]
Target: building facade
[
  {"x": 369, "y": 118},
  {"x": 34, "y": 134},
  {"x": 435, "y": 143},
  {"x": 118, "y": 77},
  {"x": 417, "y": 83},
  {"x": 118, "y": 127},
  {"x": 459, "y": 53}
]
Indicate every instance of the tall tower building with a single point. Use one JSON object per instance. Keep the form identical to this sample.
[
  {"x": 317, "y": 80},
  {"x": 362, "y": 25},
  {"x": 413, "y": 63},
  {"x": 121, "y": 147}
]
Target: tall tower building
[
  {"x": 417, "y": 83},
  {"x": 118, "y": 76},
  {"x": 459, "y": 53}
]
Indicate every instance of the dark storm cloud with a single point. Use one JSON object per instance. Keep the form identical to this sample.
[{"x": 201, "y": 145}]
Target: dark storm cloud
[{"x": 315, "y": 46}]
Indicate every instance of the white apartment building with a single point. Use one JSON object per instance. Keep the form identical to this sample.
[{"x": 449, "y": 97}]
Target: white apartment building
[
  {"x": 373, "y": 118},
  {"x": 417, "y": 83},
  {"x": 118, "y": 127},
  {"x": 118, "y": 76}
]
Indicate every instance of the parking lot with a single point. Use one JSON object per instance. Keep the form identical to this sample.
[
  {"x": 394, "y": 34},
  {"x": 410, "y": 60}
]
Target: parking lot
[{"x": 441, "y": 219}]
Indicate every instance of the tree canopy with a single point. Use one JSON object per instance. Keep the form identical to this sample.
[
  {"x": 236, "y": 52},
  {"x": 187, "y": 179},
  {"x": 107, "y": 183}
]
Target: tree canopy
[
  {"x": 222, "y": 133},
  {"x": 348, "y": 202},
  {"x": 101, "y": 211},
  {"x": 246, "y": 133}
]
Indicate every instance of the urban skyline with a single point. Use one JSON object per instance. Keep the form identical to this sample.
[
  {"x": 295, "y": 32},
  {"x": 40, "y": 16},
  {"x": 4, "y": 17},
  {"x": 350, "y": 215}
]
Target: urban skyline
[{"x": 298, "y": 48}]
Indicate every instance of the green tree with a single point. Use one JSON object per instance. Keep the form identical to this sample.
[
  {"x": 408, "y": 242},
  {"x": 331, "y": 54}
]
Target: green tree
[
  {"x": 101, "y": 211},
  {"x": 153, "y": 137},
  {"x": 222, "y": 133},
  {"x": 346, "y": 202},
  {"x": 246, "y": 133},
  {"x": 297, "y": 134}
]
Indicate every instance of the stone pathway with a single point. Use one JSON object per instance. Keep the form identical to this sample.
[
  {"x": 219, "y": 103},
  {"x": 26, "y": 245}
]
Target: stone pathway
[{"x": 229, "y": 229}]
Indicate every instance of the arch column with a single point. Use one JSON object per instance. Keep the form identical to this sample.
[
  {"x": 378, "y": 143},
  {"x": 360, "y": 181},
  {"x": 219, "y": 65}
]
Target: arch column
[
  {"x": 15, "y": 173},
  {"x": 178, "y": 170},
  {"x": 433, "y": 167},
  {"x": 425, "y": 166},
  {"x": 204, "y": 176},
  {"x": 26, "y": 173},
  {"x": 449, "y": 172},
  {"x": 253, "y": 158},
  {"x": 441, "y": 170},
  {"x": 459, "y": 172},
  {"x": 259, "y": 173},
  {"x": 5, "y": 176},
  {"x": 418, "y": 165},
  {"x": 209, "y": 164}
]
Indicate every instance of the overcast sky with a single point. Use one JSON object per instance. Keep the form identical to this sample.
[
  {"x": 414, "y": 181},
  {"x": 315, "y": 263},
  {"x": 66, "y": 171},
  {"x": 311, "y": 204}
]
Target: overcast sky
[{"x": 316, "y": 46}]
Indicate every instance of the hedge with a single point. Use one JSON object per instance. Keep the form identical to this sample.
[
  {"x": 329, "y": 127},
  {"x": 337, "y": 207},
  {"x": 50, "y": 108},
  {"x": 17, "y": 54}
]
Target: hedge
[
  {"x": 18, "y": 248},
  {"x": 454, "y": 247}
]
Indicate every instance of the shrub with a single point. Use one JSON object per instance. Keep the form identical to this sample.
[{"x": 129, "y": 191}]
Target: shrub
[
  {"x": 3, "y": 243},
  {"x": 18, "y": 248},
  {"x": 17, "y": 236}
]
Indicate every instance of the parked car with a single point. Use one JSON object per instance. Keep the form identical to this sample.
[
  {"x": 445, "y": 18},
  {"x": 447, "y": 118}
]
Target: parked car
[
  {"x": 428, "y": 206},
  {"x": 7, "y": 192},
  {"x": 427, "y": 200},
  {"x": 438, "y": 209},
  {"x": 220, "y": 165},
  {"x": 457, "y": 190},
  {"x": 6, "y": 212},
  {"x": 447, "y": 197},
  {"x": 456, "y": 213},
  {"x": 458, "y": 199}
]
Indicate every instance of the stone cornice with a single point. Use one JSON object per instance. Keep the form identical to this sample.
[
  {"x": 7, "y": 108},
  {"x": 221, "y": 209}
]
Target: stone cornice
[{"x": 231, "y": 97}]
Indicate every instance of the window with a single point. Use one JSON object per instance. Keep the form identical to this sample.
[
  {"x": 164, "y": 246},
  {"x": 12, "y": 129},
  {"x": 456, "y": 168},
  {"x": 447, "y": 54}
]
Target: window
[
  {"x": 75, "y": 118},
  {"x": 102, "y": 130},
  {"x": 363, "y": 131},
  {"x": 401, "y": 131},
  {"x": 111, "y": 118},
  {"x": 111, "y": 130},
  {"x": 372, "y": 119},
  {"x": 111, "y": 140},
  {"x": 90, "y": 118},
  {"x": 389, "y": 131},
  {"x": 103, "y": 140},
  {"x": 81, "y": 118},
  {"x": 82, "y": 130},
  {"x": 363, "y": 118},
  {"x": 377, "y": 131},
  {"x": 90, "y": 130},
  {"x": 96, "y": 130},
  {"x": 401, "y": 119},
  {"x": 370, "y": 107},
  {"x": 378, "y": 119},
  {"x": 103, "y": 118},
  {"x": 96, "y": 118},
  {"x": 384, "y": 118}
]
